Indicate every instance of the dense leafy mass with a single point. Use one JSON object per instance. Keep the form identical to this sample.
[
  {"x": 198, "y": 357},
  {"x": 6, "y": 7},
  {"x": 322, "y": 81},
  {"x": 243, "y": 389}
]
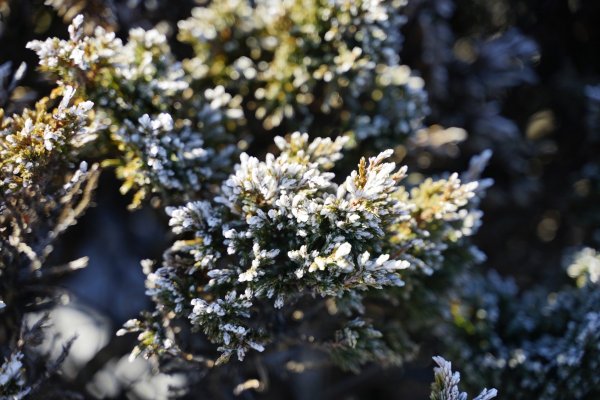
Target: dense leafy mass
[
  {"x": 170, "y": 140},
  {"x": 317, "y": 66},
  {"x": 282, "y": 237}
]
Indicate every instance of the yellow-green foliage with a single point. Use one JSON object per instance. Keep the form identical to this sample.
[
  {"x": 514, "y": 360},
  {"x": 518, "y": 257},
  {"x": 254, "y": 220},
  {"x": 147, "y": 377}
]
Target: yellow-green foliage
[
  {"x": 162, "y": 136},
  {"x": 322, "y": 66}
]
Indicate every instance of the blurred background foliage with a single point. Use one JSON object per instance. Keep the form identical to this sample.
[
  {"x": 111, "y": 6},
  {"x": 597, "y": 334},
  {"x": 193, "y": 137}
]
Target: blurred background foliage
[{"x": 521, "y": 77}]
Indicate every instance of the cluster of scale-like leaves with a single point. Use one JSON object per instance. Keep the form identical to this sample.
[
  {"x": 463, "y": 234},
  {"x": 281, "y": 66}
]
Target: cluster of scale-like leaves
[
  {"x": 445, "y": 385},
  {"x": 283, "y": 239},
  {"x": 539, "y": 344},
  {"x": 41, "y": 180},
  {"x": 43, "y": 190},
  {"x": 12, "y": 379},
  {"x": 33, "y": 142},
  {"x": 323, "y": 66},
  {"x": 165, "y": 138}
]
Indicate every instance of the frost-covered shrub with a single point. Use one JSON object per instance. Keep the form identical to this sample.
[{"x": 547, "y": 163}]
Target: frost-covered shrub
[
  {"x": 44, "y": 188},
  {"x": 284, "y": 254},
  {"x": 327, "y": 67},
  {"x": 281, "y": 254},
  {"x": 280, "y": 244},
  {"x": 163, "y": 137},
  {"x": 540, "y": 344}
]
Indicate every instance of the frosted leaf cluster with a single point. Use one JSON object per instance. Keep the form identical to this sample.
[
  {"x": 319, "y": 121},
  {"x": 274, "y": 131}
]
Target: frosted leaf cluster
[
  {"x": 445, "y": 386},
  {"x": 540, "y": 344},
  {"x": 28, "y": 142},
  {"x": 171, "y": 141},
  {"x": 12, "y": 380},
  {"x": 282, "y": 236},
  {"x": 585, "y": 268},
  {"x": 321, "y": 66}
]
